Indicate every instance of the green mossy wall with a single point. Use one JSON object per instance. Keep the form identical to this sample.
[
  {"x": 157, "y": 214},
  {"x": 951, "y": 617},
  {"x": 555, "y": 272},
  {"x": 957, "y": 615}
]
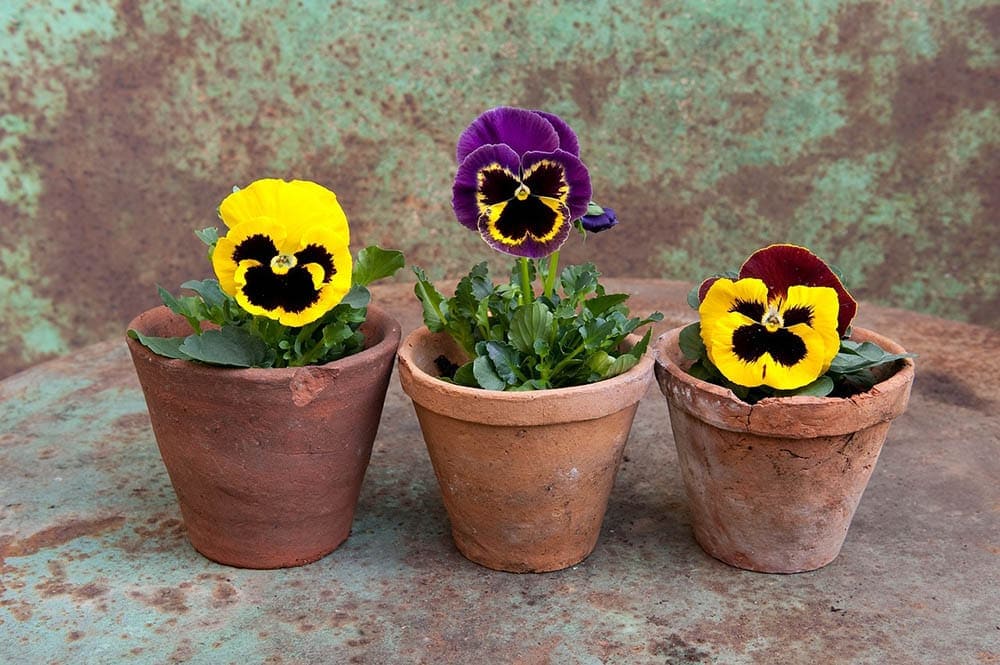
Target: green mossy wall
[{"x": 866, "y": 131}]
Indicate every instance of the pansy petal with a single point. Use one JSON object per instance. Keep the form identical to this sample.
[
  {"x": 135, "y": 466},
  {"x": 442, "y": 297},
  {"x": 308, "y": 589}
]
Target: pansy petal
[
  {"x": 601, "y": 221},
  {"x": 302, "y": 204},
  {"x": 512, "y": 228},
  {"x": 575, "y": 174},
  {"x": 484, "y": 165},
  {"x": 520, "y": 129},
  {"x": 725, "y": 297},
  {"x": 324, "y": 246},
  {"x": 258, "y": 199},
  {"x": 567, "y": 137},
  {"x": 822, "y": 305},
  {"x": 783, "y": 266}
]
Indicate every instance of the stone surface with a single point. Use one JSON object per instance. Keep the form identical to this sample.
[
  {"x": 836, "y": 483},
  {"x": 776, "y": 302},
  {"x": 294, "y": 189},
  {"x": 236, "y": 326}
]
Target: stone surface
[
  {"x": 95, "y": 563},
  {"x": 867, "y": 131}
]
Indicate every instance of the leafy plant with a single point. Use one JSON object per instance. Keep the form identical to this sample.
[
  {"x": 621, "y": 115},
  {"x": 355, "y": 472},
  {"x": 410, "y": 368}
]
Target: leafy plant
[
  {"x": 223, "y": 333},
  {"x": 516, "y": 341}
]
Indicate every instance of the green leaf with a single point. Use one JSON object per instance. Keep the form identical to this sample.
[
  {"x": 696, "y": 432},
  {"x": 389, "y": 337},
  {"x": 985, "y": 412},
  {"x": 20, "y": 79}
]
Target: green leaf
[
  {"x": 358, "y": 297},
  {"x": 209, "y": 236},
  {"x": 600, "y": 304},
  {"x": 693, "y": 300},
  {"x": 229, "y": 346},
  {"x": 209, "y": 290},
  {"x": 700, "y": 371},
  {"x": 486, "y": 375},
  {"x": 594, "y": 209},
  {"x": 529, "y": 323},
  {"x": 374, "y": 263},
  {"x": 871, "y": 351},
  {"x": 600, "y": 362},
  {"x": 622, "y": 364},
  {"x": 505, "y": 361},
  {"x": 191, "y": 308},
  {"x": 821, "y": 387},
  {"x": 579, "y": 281},
  {"x": 431, "y": 300},
  {"x": 691, "y": 343},
  {"x": 464, "y": 376},
  {"x": 168, "y": 347}
]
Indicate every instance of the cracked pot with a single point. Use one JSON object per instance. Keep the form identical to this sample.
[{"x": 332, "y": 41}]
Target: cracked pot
[
  {"x": 773, "y": 486},
  {"x": 267, "y": 464},
  {"x": 525, "y": 476}
]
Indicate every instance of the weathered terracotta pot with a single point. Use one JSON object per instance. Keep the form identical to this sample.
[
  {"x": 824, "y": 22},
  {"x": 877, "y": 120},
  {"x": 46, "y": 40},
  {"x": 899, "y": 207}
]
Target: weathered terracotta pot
[
  {"x": 525, "y": 476},
  {"x": 267, "y": 464},
  {"x": 773, "y": 486}
]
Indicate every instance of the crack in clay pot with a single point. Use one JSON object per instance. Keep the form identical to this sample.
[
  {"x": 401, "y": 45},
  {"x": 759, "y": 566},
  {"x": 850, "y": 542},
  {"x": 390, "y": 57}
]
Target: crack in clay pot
[{"x": 308, "y": 382}]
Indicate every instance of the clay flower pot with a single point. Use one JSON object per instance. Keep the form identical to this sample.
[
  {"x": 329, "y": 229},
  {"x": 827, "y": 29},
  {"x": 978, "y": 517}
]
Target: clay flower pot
[
  {"x": 267, "y": 464},
  {"x": 773, "y": 486},
  {"x": 525, "y": 476}
]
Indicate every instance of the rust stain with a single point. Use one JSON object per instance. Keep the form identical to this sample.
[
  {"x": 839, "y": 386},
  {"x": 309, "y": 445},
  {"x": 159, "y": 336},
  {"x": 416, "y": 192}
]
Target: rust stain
[
  {"x": 57, "y": 535},
  {"x": 164, "y": 599},
  {"x": 223, "y": 594},
  {"x": 19, "y": 609},
  {"x": 56, "y": 585}
]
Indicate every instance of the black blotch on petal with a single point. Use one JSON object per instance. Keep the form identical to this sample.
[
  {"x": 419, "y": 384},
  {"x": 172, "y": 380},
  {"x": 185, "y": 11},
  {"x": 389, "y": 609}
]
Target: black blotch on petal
[
  {"x": 318, "y": 255},
  {"x": 519, "y": 218},
  {"x": 796, "y": 315},
  {"x": 547, "y": 180},
  {"x": 292, "y": 291},
  {"x": 497, "y": 186},
  {"x": 257, "y": 247},
  {"x": 748, "y": 308},
  {"x": 752, "y": 342}
]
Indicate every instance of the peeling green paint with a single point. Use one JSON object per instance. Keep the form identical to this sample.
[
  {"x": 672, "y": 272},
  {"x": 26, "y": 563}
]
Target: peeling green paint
[{"x": 713, "y": 128}]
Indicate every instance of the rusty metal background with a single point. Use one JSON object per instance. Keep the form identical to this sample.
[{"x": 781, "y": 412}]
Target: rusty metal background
[{"x": 865, "y": 130}]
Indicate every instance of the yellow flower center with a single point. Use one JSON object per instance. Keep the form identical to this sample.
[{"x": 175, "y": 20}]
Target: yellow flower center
[
  {"x": 522, "y": 192},
  {"x": 282, "y": 263},
  {"x": 772, "y": 320}
]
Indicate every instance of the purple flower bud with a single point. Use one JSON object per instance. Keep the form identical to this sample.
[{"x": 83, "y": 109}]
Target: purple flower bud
[{"x": 599, "y": 221}]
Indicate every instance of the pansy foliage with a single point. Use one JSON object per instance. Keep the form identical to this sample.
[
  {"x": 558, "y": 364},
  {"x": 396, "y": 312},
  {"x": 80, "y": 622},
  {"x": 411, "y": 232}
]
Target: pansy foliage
[
  {"x": 522, "y": 185},
  {"x": 288, "y": 291},
  {"x": 569, "y": 337},
  {"x": 780, "y": 327}
]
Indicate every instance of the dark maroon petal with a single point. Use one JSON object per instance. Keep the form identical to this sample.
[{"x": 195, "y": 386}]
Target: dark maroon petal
[
  {"x": 520, "y": 129},
  {"x": 705, "y": 286},
  {"x": 567, "y": 137},
  {"x": 783, "y": 266},
  {"x": 466, "y": 188},
  {"x": 577, "y": 178}
]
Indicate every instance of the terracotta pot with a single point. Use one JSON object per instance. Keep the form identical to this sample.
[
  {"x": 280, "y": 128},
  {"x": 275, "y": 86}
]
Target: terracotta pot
[
  {"x": 773, "y": 486},
  {"x": 267, "y": 464},
  {"x": 525, "y": 476}
]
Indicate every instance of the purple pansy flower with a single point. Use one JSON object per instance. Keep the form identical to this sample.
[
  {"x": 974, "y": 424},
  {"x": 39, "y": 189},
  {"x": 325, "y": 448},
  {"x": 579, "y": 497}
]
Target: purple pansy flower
[
  {"x": 599, "y": 219},
  {"x": 520, "y": 181}
]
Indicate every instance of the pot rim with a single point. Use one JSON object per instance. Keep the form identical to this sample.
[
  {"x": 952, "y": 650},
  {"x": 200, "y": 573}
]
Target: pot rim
[
  {"x": 518, "y": 408},
  {"x": 773, "y": 415},
  {"x": 377, "y": 322}
]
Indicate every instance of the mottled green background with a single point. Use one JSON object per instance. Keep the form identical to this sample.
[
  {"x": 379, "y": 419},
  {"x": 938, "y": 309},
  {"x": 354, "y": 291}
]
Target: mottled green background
[{"x": 867, "y": 131}]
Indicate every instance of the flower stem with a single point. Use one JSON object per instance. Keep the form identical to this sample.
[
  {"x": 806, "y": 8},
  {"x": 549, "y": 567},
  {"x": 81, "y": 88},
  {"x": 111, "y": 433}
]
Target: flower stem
[
  {"x": 527, "y": 293},
  {"x": 550, "y": 278}
]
